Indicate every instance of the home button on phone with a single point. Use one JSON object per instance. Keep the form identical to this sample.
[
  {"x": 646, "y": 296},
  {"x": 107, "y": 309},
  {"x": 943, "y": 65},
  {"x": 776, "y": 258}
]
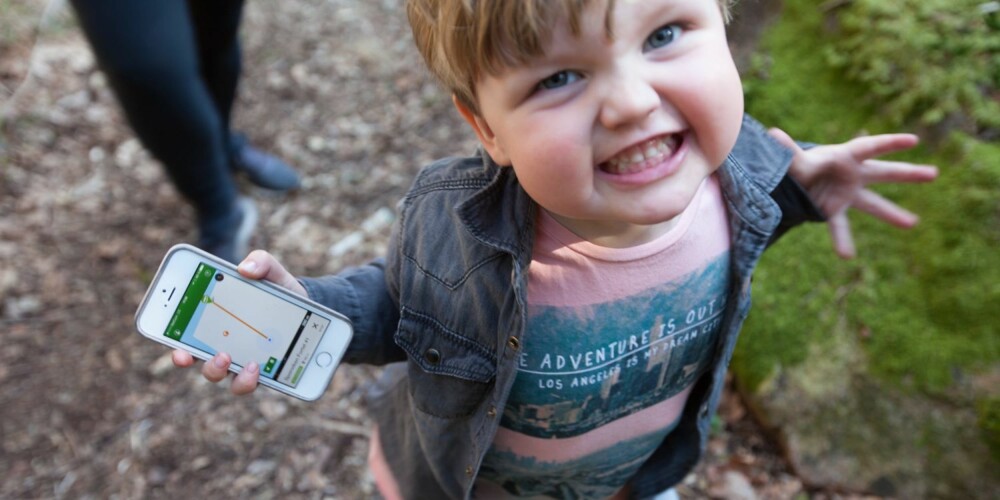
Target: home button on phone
[{"x": 324, "y": 359}]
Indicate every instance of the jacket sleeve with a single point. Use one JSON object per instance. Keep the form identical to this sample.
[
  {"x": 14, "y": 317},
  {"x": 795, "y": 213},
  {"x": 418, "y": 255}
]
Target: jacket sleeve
[
  {"x": 363, "y": 295},
  {"x": 756, "y": 147},
  {"x": 796, "y": 207}
]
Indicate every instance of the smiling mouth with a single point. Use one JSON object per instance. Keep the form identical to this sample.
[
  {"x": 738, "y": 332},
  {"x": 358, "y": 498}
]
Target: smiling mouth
[{"x": 643, "y": 156}]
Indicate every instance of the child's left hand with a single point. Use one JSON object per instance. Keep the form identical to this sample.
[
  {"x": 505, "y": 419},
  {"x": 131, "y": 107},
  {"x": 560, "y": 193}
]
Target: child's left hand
[{"x": 836, "y": 177}]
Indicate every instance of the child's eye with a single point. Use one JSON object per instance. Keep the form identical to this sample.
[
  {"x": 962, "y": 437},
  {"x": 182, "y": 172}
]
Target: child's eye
[
  {"x": 663, "y": 36},
  {"x": 559, "y": 79}
]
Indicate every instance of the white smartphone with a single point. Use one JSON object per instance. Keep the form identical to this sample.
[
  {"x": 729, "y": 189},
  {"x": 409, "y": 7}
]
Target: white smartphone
[{"x": 200, "y": 303}]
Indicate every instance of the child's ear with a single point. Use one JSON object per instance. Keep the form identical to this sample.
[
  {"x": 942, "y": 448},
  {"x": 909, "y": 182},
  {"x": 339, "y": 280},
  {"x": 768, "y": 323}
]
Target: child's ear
[{"x": 484, "y": 132}]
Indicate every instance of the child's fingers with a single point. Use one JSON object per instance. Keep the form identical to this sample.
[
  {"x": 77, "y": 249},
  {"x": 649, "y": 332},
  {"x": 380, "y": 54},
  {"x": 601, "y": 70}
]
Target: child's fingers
[
  {"x": 182, "y": 359},
  {"x": 785, "y": 139},
  {"x": 262, "y": 265},
  {"x": 876, "y": 205},
  {"x": 876, "y": 171},
  {"x": 840, "y": 233},
  {"x": 256, "y": 265},
  {"x": 872, "y": 146},
  {"x": 216, "y": 368},
  {"x": 245, "y": 382}
]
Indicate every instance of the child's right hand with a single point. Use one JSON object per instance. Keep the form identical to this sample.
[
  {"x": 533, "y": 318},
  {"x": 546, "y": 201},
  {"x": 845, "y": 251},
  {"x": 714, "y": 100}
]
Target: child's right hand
[{"x": 258, "y": 265}]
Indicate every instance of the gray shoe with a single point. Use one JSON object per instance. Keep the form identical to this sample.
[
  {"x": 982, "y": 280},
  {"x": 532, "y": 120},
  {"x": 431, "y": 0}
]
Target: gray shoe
[
  {"x": 232, "y": 242},
  {"x": 262, "y": 169}
]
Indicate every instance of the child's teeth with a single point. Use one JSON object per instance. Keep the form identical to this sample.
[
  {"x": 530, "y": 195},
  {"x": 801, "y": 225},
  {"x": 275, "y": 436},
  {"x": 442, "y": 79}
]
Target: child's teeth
[{"x": 628, "y": 161}]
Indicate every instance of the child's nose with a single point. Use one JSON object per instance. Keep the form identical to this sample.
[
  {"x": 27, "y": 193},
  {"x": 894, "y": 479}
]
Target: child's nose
[{"x": 629, "y": 99}]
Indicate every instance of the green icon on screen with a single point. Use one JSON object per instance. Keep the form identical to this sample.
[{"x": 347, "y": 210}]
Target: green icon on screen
[{"x": 269, "y": 367}]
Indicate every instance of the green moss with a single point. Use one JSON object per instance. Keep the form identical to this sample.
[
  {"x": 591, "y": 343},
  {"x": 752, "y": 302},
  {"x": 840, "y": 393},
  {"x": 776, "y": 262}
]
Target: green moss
[
  {"x": 989, "y": 421},
  {"x": 774, "y": 335},
  {"x": 793, "y": 87},
  {"x": 922, "y": 302},
  {"x": 958, "y": 69},
  {"x": 946, "y": 276}
]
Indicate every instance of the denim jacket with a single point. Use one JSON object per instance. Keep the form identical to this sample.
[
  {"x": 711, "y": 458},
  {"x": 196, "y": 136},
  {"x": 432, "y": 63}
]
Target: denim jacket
[{"x": 447, "y": 309}]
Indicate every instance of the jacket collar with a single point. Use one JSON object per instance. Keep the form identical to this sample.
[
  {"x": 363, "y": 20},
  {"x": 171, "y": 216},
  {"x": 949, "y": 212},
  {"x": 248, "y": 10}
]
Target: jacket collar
[
  {"x": 501, "y": 215},
  {"x": 751, "y": 172}
]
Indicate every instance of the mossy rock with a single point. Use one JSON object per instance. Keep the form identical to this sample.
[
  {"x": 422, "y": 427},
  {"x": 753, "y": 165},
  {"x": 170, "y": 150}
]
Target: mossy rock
[
  {"x": 882, "y": 374},
  {"x": 843, "y": 428}
]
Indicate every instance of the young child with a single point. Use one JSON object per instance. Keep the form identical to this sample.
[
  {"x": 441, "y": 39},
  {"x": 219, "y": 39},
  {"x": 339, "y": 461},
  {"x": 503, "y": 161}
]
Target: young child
[{"x": 559, "y": 310}]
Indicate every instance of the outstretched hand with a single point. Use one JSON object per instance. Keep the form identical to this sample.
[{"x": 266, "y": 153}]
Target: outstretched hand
[
  {"x": 837, "y": 177},
  {"x": 258, "y": 265}
]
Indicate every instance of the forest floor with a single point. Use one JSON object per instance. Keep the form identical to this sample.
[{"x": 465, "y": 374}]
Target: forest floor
[{"x": 89, "y": 409}]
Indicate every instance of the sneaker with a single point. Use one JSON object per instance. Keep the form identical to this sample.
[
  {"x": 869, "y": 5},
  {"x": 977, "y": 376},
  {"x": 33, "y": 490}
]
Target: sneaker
[
  {"x": 262, "y": 169},
  {"x": 232, "y": 241}
]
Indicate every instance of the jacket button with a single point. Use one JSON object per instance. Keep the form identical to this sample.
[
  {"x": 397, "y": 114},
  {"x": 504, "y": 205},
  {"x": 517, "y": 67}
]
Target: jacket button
[
  {"x": 514, "y": 343},
  {"x": 492, "y": 412},
  {"x": 433, "y": 356},
  {"x": 468, "y": 470}
]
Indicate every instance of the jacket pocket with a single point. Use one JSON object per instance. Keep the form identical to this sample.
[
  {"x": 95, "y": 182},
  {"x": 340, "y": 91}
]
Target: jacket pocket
[{"x": 449, "y": 374}]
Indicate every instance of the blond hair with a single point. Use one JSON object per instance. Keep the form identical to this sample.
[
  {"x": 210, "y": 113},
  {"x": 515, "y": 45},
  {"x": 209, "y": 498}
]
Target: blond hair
[{"x": 461, "y": 40}]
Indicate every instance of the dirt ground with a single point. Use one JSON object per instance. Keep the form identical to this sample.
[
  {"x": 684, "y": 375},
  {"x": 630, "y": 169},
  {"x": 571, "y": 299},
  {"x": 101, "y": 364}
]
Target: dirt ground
[{"x": 88, "y": 409}]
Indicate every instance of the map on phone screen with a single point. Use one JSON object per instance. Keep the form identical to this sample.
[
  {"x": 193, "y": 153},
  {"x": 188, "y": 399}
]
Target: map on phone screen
[{"x": 220, "y": 313}]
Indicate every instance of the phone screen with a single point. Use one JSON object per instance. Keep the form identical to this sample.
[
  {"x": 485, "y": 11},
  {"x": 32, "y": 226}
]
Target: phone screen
[{"x": 219, "y": 312}]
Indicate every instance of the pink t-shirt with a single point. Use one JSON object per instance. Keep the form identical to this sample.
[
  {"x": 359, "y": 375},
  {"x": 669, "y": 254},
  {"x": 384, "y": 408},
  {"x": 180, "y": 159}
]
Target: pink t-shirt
[{"x": 615, "y": 340}]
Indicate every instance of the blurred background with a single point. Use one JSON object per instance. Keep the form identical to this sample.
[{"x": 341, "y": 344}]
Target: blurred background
[{"x": 872, "y": 378}]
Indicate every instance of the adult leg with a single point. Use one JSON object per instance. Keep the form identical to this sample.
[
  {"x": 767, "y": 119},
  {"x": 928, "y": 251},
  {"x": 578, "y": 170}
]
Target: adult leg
[
  {"x": 216, "y": 27},
  {"x": 148, "y": 51}
]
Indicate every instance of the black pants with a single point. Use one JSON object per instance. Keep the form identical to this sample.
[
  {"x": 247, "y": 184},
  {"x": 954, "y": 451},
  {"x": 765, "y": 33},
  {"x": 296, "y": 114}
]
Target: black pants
[{"x": 174, "y": 66}]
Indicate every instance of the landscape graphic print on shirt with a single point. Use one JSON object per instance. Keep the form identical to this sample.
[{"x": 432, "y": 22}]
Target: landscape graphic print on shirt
[
  {"x": 584, "y": 368},
  {"x": 614, "y": 342}
]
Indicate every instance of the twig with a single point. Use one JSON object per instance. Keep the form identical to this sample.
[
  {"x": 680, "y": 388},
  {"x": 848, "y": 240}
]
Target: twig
[{"x": 330, "y": 425}]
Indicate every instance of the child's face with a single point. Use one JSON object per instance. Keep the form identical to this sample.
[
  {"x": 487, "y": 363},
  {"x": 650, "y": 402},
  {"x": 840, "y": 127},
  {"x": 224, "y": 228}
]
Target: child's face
[{"x": 614, "y": 136}]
